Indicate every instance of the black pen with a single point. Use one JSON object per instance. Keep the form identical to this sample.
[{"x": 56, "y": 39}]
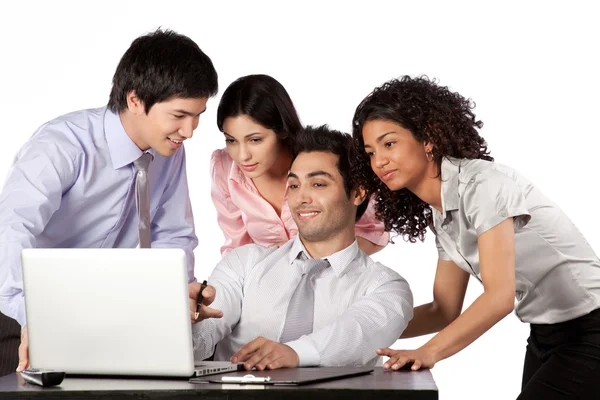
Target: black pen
[{"x": 200, "y": 298}]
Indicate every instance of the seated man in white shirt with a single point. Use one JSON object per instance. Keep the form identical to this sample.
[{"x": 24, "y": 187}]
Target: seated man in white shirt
[{"x": 278, "y": 310}]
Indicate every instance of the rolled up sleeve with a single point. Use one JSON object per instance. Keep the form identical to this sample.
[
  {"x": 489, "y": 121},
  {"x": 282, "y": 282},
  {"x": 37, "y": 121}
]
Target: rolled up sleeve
[
  {"x": 370, "y": 228},
  {"x": 490, "y": 197},
  {"x": 229, "y": 215}
]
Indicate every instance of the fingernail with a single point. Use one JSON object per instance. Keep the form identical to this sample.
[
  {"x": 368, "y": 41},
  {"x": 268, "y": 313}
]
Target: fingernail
[
  {"x": 19, "y": 368},
  {"x": 234, "y": 359},
  {"x": 386, "y": 366}
]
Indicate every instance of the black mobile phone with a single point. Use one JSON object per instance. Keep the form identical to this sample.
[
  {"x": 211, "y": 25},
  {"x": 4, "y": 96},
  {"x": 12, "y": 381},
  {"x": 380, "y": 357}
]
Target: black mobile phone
[{"x": 42, "y": 377}]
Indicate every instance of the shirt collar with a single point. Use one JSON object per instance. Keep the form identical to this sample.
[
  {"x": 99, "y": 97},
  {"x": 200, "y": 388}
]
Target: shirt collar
[
  {"x": 123, "y": 150},
  {"x": 339, "y": 261},
  {"x": 236, "y": 174},
  {"x": 450, "y": 174}
]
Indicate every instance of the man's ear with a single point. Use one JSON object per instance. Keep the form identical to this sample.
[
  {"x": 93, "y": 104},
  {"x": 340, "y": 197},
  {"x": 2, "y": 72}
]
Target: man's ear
[
  {"x": 360, "y": 194},
  {"x": 134, "y": 104}
]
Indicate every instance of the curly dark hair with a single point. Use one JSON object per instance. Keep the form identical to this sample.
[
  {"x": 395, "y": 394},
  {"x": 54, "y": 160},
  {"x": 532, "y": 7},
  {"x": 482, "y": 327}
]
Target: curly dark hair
[{"x": 431, "y": 113}]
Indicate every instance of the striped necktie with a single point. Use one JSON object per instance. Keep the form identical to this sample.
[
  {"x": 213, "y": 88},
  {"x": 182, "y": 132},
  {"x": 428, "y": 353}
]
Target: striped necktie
[{"x": 301, "y": 309}]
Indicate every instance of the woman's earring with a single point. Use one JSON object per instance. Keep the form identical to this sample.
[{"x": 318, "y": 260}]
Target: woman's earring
[{"x": 429, "y": 156}]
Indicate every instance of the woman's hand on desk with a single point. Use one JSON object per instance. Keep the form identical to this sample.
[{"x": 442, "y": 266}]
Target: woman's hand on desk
[
  {"x": 420, "y": 358},
  {"x": 23, "y": 351},
  {"x": 208, "y": 296}
]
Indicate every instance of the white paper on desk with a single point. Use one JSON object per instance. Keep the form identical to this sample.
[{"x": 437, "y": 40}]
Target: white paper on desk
[{"x": 241, "y": 386}]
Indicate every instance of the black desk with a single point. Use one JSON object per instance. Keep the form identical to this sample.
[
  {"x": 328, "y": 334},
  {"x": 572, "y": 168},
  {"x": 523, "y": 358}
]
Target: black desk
[{"x": 379, "y": 384}]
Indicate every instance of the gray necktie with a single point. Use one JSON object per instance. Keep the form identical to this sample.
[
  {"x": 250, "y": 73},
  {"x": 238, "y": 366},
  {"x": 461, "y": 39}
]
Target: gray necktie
[
  {"x": 301, "y": 310},
  {"x": 142, "y": 198}
]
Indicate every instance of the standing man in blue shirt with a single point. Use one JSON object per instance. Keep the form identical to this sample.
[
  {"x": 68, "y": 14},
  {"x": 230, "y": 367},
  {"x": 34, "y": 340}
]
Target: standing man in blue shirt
[{"x": 109, "y": 177}]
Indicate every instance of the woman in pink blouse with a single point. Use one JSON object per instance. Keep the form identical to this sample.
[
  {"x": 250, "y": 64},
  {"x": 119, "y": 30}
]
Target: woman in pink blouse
[{"x": 249, "y": 176}]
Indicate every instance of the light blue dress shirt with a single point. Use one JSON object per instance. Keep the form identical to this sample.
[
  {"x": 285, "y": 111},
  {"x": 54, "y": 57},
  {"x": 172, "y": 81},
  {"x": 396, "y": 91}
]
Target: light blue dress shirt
[{"x": 72, "y": 185}]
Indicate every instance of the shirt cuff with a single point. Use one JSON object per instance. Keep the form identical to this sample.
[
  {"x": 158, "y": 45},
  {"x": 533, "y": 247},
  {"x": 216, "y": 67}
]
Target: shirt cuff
[
  {"x": 197, "y": 337},
  {"x": 521, "y": 217},
  {"x": 308, "y": 355},
  {"x": 201, "y": 340},
  {"x": 442, "y": 255},
  {"x": 21, "y": 316},
  {"x": 373, "y": 236}
]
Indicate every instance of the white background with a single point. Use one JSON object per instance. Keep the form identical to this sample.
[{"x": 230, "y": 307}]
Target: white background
[{"x": 531, "y": 67}]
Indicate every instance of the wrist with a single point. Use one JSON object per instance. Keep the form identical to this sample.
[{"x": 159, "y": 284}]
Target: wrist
[
  {"x": 433, "y": 351},
  {"x": 306, "y": 353},
  {"x": 294, "y": 358}
]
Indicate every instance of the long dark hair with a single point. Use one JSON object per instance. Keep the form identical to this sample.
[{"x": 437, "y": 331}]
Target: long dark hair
[
  {"x": 266, "y": 101},
  {"x": 431, "y": 113}
]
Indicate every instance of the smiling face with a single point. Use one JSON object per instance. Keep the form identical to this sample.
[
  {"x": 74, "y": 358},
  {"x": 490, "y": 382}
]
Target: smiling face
[
  {"x": 252, "y": 147},
  {"x": 317, "y": 197},
  {"x": 397, "y": 158},
  {"x": 166, "y": 125}
]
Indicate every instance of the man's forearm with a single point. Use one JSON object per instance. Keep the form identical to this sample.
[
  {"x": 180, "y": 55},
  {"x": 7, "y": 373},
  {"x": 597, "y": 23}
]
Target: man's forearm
[
  {"x": 203, "y": 339},
  {"x": 371, "y": 322}
]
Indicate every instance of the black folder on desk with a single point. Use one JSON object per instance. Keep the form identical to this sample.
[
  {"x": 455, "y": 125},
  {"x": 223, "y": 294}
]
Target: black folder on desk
[{"x": 288, "y": 376}]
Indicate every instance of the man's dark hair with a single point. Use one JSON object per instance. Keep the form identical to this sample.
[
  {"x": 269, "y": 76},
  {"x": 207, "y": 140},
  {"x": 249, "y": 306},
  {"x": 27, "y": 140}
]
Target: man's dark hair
[
  {"x": 321, "y": 138},
  {"x": 159, "y": 66}
]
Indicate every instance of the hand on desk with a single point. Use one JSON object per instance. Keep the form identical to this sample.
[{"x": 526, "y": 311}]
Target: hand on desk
[
  {"x": 208, "y": 294},
  {"x": 23, "y": 351},
  {"x": 263, "y": 354},
  {"x": 420, "y": 358}
]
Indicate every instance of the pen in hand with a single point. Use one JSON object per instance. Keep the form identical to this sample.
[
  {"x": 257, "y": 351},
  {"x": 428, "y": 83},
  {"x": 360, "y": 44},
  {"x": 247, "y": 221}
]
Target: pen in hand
[{"x": 200, "y": 298}]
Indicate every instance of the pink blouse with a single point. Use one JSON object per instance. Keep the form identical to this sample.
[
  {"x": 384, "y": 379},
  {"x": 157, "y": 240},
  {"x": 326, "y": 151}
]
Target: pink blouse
[{"x": 246, "y": 217}]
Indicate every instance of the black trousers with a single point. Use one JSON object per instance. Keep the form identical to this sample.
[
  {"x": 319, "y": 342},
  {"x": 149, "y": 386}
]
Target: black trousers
[
  {"x": 10, "y": 338},
  {"x": 563, "y": 360}
]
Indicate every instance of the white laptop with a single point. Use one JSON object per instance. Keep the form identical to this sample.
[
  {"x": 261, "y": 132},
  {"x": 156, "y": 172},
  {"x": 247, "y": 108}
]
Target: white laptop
[{"x": 111, "y": 312}]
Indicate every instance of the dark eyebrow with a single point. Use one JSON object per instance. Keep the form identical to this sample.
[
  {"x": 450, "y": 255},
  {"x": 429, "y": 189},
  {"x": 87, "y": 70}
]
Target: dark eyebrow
[
  {"x": 380, "y": 138},
  {"x": 312, "y": 175},
  {"x": 179, "y": 110},
  {"x": 319, "y": 173},
  {"x": 245, "y": 137}
]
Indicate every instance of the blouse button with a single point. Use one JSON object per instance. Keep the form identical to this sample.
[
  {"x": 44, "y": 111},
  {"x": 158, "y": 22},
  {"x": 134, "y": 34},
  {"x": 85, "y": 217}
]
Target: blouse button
[{"x": 445, "y": 227}]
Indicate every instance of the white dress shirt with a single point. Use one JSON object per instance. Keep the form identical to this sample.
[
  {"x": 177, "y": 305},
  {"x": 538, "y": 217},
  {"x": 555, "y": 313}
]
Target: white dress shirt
[{"x": 360, "y": 305}]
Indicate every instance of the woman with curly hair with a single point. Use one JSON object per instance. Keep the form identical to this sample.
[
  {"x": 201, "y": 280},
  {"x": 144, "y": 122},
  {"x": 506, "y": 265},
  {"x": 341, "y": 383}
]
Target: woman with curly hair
[
  {"x": 249, "y": 176},
  {"x": 420, "y": 153}
]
